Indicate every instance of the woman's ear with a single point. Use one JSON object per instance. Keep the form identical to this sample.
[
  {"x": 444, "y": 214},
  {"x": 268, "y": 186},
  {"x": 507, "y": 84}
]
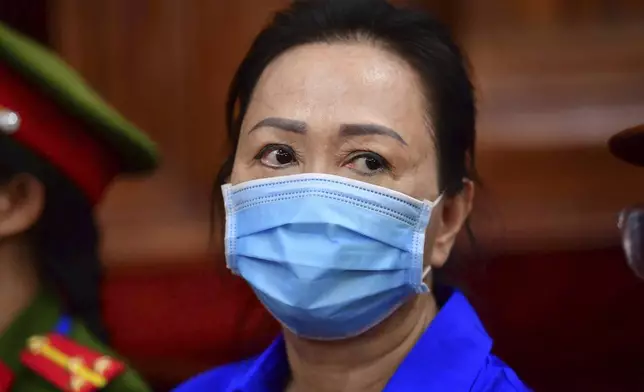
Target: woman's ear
[
  {"x": 22, "y": 200},
  {"x": 447, "y": 219}
]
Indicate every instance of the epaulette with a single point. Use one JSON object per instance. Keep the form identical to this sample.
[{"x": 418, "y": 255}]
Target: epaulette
[{"x": 69, "y": 365}]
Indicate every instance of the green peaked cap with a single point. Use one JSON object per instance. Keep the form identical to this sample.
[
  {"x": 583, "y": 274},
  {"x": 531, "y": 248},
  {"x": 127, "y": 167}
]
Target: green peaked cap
[{"x": 66, "y": 88}]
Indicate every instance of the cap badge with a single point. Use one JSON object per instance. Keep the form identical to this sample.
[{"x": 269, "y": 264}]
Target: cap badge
[{"x": 9, "y": 121}]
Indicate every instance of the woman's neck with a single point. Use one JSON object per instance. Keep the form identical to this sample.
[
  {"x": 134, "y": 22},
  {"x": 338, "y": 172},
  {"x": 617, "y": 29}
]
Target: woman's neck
[
  {"x": 18, "y": 282},
  {"x": 362, "y": 364}
]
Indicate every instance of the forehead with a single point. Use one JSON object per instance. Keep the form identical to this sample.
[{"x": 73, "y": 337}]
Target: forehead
[{"x": 341, "y": 83}]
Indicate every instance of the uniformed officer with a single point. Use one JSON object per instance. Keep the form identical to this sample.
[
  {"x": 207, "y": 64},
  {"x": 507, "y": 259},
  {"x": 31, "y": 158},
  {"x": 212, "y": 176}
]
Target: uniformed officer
[
  {"x": 628, "y": 145},
  {"x": 60, "y": 148}
]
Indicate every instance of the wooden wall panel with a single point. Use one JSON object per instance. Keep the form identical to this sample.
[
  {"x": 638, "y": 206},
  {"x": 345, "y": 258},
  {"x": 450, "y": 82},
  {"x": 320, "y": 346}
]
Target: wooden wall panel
[
  {"x": 166, "y": 65},
  {"x": 499, "y": 15},
  {"x": 28, "y": 16},
  {"x": 549, "y": 100}
]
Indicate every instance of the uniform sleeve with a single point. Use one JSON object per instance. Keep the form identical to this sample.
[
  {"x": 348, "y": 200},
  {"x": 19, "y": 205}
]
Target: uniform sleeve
[{"x": 129, "y": 381}]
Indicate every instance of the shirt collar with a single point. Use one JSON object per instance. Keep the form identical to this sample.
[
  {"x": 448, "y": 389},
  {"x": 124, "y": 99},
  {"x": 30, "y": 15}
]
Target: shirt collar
[
  {"x": 268, "y": 373},
  {"x": 39, "y": 317},
  {"x": 448, "y": 356}
]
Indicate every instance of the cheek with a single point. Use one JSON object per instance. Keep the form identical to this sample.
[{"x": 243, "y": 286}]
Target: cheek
[
  {"x": 420, "y": 181},
  {"x": 244, "y": 171},
  {"x": 243, "y": 167},
  {"x": 426, "y": 185},
  {"x": 426, "y": 172},
  {"x": 235, "y": 177}
]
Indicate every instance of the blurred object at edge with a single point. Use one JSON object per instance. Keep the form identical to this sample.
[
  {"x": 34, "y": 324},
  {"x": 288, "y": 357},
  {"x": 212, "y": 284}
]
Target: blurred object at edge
[
  {"x": 631, "y": 224},
  {"x": 628, "y": 145}
]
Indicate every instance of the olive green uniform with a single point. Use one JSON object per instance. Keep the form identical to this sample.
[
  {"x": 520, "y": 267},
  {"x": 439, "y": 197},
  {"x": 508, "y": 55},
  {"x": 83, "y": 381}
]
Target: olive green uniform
[
  {"x": 40, "y": 318},
  {"x": 50, "y": 117}
]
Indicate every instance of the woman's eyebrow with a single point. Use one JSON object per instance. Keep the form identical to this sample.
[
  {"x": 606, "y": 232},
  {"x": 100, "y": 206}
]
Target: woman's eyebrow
[
  {"x": 349, "y": 130},
  {"x": 284, "y": 124},
  {"x": 346, "y": 130}
]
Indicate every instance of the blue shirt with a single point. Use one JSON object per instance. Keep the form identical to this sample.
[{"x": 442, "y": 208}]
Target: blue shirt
[{"x": 453, "y": 355}]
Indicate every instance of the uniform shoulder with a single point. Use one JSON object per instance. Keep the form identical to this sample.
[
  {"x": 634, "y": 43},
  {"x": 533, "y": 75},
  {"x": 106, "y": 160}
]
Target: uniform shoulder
[
  {"x": 496, "y": 376},
  {"x": 217, "y": 379},
  {"x": 128, "y": 381}
]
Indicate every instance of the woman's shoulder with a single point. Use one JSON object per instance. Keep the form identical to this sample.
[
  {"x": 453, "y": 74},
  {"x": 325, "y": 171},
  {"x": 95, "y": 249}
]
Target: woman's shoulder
[
  {"x": 220, "y": 378},
  {"x": 496, "y": 376}
]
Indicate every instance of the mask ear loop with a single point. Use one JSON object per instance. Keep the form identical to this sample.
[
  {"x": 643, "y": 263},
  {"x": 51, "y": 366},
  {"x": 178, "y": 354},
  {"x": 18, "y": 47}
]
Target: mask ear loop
[{"x": 435, "y": 203}]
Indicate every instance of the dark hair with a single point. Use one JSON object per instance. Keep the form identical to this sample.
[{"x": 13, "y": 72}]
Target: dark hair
[
  {"x": 412, "y": 34},
  {"x": 65, "y": 238}
]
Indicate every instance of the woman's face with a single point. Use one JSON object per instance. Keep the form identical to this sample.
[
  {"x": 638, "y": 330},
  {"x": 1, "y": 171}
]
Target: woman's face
[{"x": 349, "y": 109}]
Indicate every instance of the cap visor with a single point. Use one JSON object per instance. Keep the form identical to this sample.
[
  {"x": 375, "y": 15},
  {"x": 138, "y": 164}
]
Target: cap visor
[{"x": 628, "y": 145}]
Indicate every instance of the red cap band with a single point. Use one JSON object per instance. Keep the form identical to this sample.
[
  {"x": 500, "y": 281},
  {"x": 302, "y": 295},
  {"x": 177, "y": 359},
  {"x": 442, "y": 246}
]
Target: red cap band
[{"x": 54, "y": 134}]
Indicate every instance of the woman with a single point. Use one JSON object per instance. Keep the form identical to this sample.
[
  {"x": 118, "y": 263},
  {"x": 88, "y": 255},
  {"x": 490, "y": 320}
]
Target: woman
[
  {"x": 60, "y": 148},
  {"x": 354, "y": 130}
]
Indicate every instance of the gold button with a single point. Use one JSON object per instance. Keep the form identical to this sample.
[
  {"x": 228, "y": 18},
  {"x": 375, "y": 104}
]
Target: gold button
[
  {"x": 102, "y": 364},
  {"x": 37, "y": 344},
  {"x": 76, "y": 383}
]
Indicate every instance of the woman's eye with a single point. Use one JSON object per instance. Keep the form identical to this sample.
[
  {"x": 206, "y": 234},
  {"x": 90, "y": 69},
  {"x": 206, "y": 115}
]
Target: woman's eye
[
  {"x": 277, "y": 156},
  {"x": 368, "y": 164}
]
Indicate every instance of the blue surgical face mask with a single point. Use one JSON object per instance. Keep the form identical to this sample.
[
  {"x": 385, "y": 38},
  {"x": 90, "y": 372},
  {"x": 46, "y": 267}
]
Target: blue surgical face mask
[{"x": 329, "y": 257}]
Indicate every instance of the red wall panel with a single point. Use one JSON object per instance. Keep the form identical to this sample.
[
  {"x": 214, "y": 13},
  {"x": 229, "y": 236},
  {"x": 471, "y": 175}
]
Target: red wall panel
[{"x": 566, "y": 321}]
